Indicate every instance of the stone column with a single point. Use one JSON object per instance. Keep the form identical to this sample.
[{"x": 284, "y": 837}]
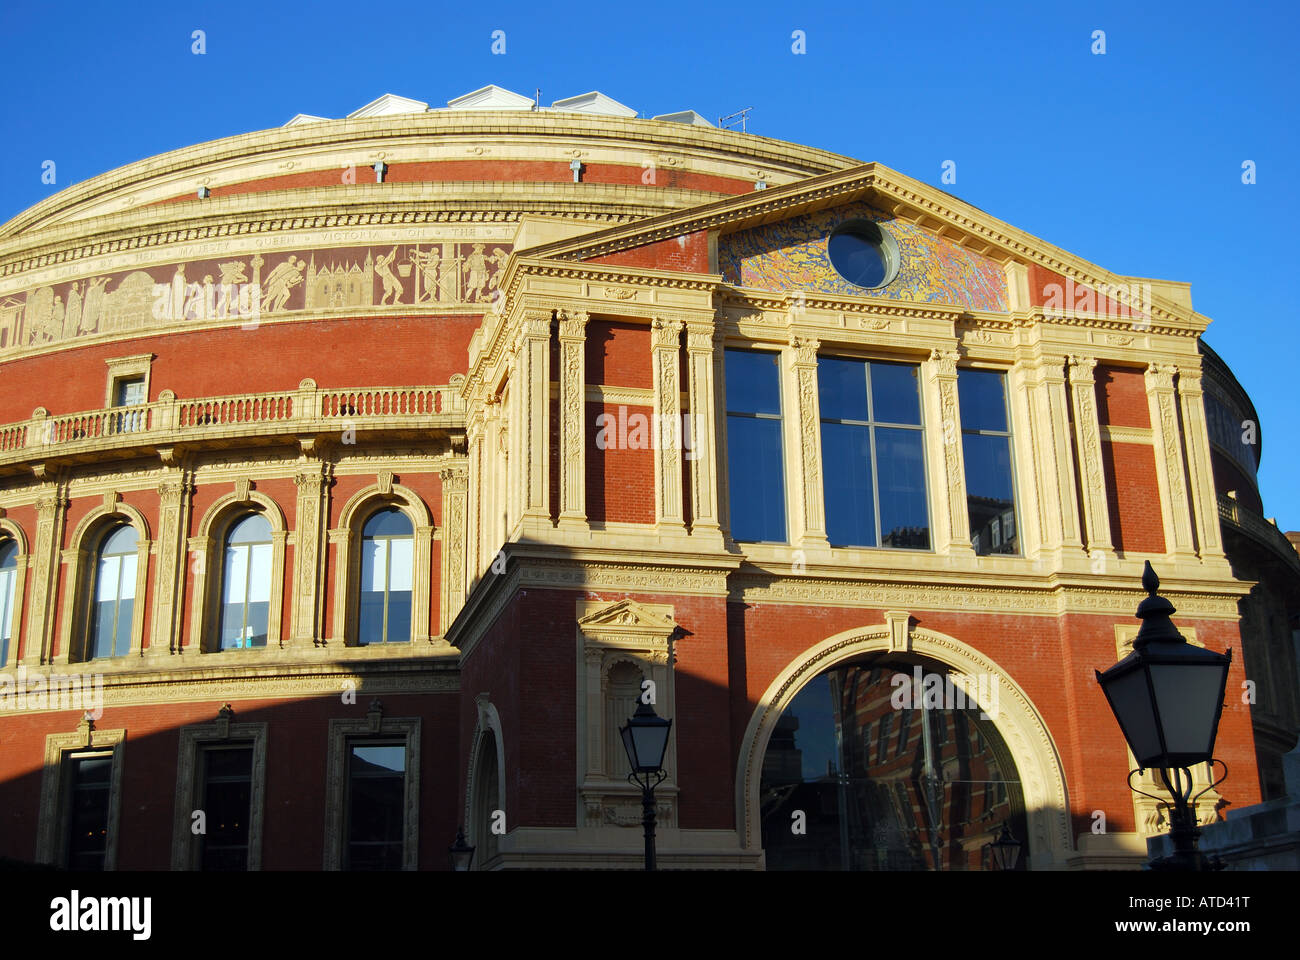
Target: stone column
[
  {"x": 1051, "y": 439},
  {"x": 533, "y": 389},
  {"x": 950, "y": 517},
  {"x": 665, "y": 346},
  {"x": 165, "y": 631},
  {"x": 1169, "y": 460},
  {"x": 1197, "y": 437},
  {"x": 455, "y": 484},
  {"x": 51, "y": 513},
  {"x": 1087, "y": 439},
  {"x": 573, "y": 405},
  {"x": 307, "y": 622},
  {"x": 804, "y": 432},
  {"x": 703, "y": 448}
]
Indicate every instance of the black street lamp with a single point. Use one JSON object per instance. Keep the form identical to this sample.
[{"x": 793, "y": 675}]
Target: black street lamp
[
  {"x": 1005, "y": 850},
  {"x": 645, "y": 738},
  {"x": 1168, "y": 697},
  {"x": 461, "y": 853}
]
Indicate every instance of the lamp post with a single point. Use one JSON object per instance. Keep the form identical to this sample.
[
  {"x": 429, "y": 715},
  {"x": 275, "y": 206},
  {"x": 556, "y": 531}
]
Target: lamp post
[
  {"x": 1005, "y": 850},
  {"x": 1168, "y": 697},
  {"x": 461, "y": 853},
  {"x": 645, "y": 738}
]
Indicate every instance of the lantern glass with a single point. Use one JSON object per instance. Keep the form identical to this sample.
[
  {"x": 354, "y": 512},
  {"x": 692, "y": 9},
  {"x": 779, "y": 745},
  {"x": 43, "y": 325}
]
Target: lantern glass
[
  {"x": 1189, "y": 698},
  {"x": 1130, "y": 699},
  {"x": 645, "y": 738}
]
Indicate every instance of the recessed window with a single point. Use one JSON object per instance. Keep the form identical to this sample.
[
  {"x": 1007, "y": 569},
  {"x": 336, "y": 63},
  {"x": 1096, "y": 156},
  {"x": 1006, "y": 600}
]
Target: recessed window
[
  {"x": 88, "y": 810},
  {"x": 376, "y": 806},
  {"x": 8, "y": 582},
  {"x": 114, "y": 594},
  {"x": 387, "y": 563},
  {"x": 863, "y": 254},
  {"x": 986, "y": 449},
  {"x": 227, "y": 804},
  {"x": 873, "y": 454},
  {"x": 755, "y": 473},
  {"x": 246, "y": 584}
]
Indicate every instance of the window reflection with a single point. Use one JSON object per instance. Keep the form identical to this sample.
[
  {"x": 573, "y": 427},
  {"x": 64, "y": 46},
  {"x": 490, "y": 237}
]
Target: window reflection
[
  {"x": 986, "y": 449},
  {"x": 931, "y": 802},
  {"x": 873, "y": 454},
  {"x": 756, "y": 473}
]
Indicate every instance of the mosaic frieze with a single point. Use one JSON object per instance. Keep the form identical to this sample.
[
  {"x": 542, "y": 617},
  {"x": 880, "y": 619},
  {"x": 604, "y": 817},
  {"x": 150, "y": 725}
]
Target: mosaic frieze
[
  {"x": 247, "y": 288},
  {"x": 792, "y": 255}
]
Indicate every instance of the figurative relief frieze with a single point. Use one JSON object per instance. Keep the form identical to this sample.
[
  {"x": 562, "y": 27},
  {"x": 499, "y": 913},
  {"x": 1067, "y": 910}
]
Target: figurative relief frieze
[{"x": 246, "y": 289}]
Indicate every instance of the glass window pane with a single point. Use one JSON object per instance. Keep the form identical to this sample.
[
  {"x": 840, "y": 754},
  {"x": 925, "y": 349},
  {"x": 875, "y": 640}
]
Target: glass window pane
[
  {"x": 378, "y": 759},
  {"x": 753, "y": 382},
  {"x": 895, "y": 393},
  {"x": 126, "y": 589},
  {"x": 370, "y": 629},
  {"x": 252, "y": 529},
  {"x": 389, "y": 522},
  {"x": 376, "y": 806},
  {"x": 227, "y": 802},
  {"x": 989, "y": 494},
  {"x": 6, "y": 611},
  {"x": 900, "y": 482},
  {"x": 399, "y": 616},
  {"x": 125, "y": 612},
  {"x": 373, "y": 566},
  {"x": 88, "y": 814},
  {"x": 236, "y": 574},
  {"x": 842, "y": 388},
  {"x": 755, "y": 479},
  {"x": 122, "y": 540},
  {"x": 259, "y": 574},
  {"x": 400, "y": 563},
  {"x": 110, "y": 570},
  {"x": 850, "y": 502},
  {"x": 982, "y": 399}
]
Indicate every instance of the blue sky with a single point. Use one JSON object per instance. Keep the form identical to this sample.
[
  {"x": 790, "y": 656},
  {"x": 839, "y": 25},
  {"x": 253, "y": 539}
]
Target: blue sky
[{"x": 1131, "y": 159}]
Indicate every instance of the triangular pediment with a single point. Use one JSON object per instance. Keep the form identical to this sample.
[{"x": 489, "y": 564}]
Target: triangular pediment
[
  {"x": 491, "y": 97},
  {"x": 775, "y": 239},
  {"x": 627, "y": 616},
  {"x": 387, "y": 104},
  {"x": 594, "y": 102}
]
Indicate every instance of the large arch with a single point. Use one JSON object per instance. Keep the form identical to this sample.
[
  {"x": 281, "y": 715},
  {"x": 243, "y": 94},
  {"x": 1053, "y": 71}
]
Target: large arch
[{"x": 1016, "y": 718}]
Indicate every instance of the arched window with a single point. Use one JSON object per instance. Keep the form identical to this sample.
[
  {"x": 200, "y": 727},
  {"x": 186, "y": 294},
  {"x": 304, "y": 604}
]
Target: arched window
[
  {"x": 113, "y": 594},
  {"x": 8, "y": 582},
  {"x": 246, "y": 584},
  {"x": 387, "y": 561}
]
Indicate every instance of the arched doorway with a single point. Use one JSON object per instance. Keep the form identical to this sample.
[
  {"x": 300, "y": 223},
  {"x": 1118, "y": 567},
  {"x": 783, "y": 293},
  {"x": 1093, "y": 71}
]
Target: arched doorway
[{"x": 884, "y": 763}]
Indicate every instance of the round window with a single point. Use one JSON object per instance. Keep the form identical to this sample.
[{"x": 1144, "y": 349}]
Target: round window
[{"x": 863, "y": 254}]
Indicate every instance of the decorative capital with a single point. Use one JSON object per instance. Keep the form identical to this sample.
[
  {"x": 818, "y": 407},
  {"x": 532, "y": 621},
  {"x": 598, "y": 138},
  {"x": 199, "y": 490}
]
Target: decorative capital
[
  {"x": 665, "y": 333},
  {"x": 945, "y": 361},
  {"x": 805, "y": 349},
  {"x": 242, "y": 487},
  {"x": 384, "y": 480},
  {"x": 111, "y": 500},
  {"x": 573, "y": 324},
  {"x": 1081, "y": 369},
  {"x": 1160, "y": 376},
  {"x": 536, "y": 325}
]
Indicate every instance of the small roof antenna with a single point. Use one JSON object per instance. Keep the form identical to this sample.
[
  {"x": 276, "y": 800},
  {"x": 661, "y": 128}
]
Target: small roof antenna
[
  {"x": 732, "y": 120},
  {"x": 537, "y": 99}
]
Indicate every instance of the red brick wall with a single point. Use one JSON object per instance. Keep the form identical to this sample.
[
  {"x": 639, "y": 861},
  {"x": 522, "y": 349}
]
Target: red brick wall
[
  {"x": 503, "y": 171},
  {"x": 620, "y": 478},
  {"x": 1122, "y": 397},
  {"x": 1132, "y": 491},
  {"x": 355, "y": 352},
  {"x": 688, "y": 253},
  {"x": 297, "y": 740}
]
